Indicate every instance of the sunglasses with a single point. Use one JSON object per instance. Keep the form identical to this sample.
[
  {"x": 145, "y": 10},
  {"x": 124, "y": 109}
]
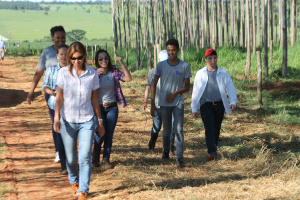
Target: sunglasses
[
  {"x": 103, "y": 58},
  {"x": 77, "y": 58}
]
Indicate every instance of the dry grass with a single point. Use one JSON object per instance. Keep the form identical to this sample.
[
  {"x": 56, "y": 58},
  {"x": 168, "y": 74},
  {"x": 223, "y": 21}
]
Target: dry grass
[{"x": 256, "y": 160}]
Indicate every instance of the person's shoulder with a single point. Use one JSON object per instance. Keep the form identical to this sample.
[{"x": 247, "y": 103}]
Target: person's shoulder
[
  {"x": 49, "y": 49},
  {"x": 93, "y": 71}
]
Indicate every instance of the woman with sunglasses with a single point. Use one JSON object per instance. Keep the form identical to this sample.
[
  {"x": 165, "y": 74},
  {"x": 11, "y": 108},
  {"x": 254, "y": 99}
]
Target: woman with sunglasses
[
  {"x": 77, "y": 103},
  {"x": 109, "y": 94}
]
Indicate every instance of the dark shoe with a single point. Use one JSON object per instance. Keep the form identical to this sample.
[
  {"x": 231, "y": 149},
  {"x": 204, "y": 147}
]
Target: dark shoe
[
  {"x": 75, "y": 187},
  {"x": 211, "y": 157},
  {"x": 64, "y": 170},
  {"x": 172, "y": 153},
  {"x": 152, "y": 142},
  {"x": 82, "y": 196},
  {"x": 95, "y": 160},
  {"x": 165, "y": 155},
  {"x": 106, "y": 163},
  {"x": 179, "y": 162}
]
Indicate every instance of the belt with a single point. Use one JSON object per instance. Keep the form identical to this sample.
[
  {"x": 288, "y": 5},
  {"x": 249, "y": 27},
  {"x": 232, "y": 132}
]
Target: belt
[
  {"x": 215, "y": 102},
  {"x": 105, "y": 105}
]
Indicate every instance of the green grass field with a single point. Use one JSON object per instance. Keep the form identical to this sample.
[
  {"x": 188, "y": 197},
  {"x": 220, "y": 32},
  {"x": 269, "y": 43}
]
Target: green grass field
[{"x": 31, "y": 25}]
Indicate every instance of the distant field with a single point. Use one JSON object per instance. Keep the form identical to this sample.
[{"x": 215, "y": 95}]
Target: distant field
[{"x": 31, "y": 25}]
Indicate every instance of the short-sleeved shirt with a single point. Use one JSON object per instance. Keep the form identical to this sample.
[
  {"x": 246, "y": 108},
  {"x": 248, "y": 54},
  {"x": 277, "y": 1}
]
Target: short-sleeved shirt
[
  {"x": 48, "y": 58},
  {"x": 77, "y": 94},
  {"x": 107, "y": 92},
  {"x": 172, "y": 79},
  {"x": 50, "y": 78},
  {"x": 150, "y": 81},
  {"x": 2, "y": 45}
]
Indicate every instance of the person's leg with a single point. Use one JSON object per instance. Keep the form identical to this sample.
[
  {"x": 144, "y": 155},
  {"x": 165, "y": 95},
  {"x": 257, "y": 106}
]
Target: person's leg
[
  {"x": 219, "y": 115},
  {"x": 97, "y": 142},
  {"x": 178, "y": 115},
  {"x": 110, "y": 125},
  {"x": 157, "y": 122},
  {"x": 69, "y": 132},
  {"x": 207, "y": 115},
  {"x": 172, "y": 137},
  {"x": 85, "y": 137},
  {"x": 54, "y": 134},
  {"x": 166, "y": 115}
]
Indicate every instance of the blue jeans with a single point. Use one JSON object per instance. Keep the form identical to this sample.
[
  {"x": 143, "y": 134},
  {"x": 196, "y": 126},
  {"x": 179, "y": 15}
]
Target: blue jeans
[
  {"x": 85, "y": 134},
  {"x": 157, "y": 122},
  {"x": 212, "y": 117},
  {"x": 58, "y": 143},
  {"x": 110, "y": 118},
  {"x": 177, "y": 112}
]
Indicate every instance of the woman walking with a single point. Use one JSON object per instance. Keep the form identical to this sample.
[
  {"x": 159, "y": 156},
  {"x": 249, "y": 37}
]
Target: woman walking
[
  {"x": 77, "y": 103},
  {"x": 109, "y": 94}
]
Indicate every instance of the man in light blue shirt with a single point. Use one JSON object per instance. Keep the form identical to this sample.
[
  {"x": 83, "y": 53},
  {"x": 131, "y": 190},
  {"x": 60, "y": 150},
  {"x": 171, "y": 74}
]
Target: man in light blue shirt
[{"x": 2, "y": 49}]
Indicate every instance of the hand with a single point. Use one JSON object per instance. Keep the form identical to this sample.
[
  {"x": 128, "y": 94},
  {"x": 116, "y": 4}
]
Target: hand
[
  {"x": 100, "y": 129},
  {"x": 144, "y": 107},
  {"x": 30, "y": 98},
  {"x": 153, "y": 109},
  {"x": 119, "y": 59},
  {"x": 232, "y": 107},
  {"x": 170, "y": 98},
  {"x": 57, "y": 126},
  {"x": 195, "y": 115},
  {"x": 54, "y": 92}
]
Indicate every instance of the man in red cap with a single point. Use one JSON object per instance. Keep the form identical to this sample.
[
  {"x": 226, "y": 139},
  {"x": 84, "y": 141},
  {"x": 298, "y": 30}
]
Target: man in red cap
[{"x": 212, "y": 84}]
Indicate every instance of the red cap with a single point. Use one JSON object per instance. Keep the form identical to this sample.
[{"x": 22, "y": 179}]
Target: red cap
[{"x": 209, "y": 52}]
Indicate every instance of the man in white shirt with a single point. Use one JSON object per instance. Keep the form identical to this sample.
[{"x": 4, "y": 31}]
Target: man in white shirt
[{"x": 211, "y": 86}]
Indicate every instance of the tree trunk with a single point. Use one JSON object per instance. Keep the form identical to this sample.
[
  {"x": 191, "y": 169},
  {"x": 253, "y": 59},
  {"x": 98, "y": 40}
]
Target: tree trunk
[
  {"x": 259, "y": 78},
  {"x": 124, "y": 24},
  {"x": 164, "y": 21},
  {"x": 232, "y": 21},
  {"x": 227, "y": 24},
  {"x": 137, "y": 35},
  {"x": 149, "y": 56},
  {"x": 258, "y": 24},
  {"x": 253, "y": 28},
  {"x": 284, "y": 27},
  {"x": 114, "y": 26},
  {"x": 119, "y": 23},
  {"x": 170, "y": 19},
  {"x": 271, "y": 23},
  {"x": 242, "y": 39},
  {"x": 128, "y": 23},
  {"x": 248, "y": 62},
  {"x": 238, "y": 22},
  {"x": 217, "y": 24},
  {"x": 266, "y": 71},
  {"x": 293, "y": 7},
  {"x": 223, "y": 22}
]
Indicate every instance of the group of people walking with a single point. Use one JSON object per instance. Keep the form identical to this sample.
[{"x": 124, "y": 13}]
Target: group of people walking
[{"x": 83, "y": 101}]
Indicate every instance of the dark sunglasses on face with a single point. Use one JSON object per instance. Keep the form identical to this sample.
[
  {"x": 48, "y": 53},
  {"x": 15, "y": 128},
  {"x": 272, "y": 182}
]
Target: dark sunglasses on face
[
  {"x": 77, "y": 58},
  {"x": 103, "y": 58}
]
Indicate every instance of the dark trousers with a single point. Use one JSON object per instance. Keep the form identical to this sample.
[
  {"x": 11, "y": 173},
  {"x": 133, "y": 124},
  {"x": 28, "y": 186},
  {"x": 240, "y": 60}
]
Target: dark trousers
[{"x": 212, "y": 117}]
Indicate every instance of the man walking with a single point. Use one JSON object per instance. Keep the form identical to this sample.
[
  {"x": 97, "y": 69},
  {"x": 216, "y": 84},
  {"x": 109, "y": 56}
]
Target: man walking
[{"x": 2, "y": 49}]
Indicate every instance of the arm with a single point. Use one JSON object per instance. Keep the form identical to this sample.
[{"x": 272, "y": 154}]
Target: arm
[
  {"x": 146, "y": 97},
  {"x": 58, "y": 105},
  {"x": 170, "y": 98},
  {"x": 153, "y": 92},
  {"x": 36, "y": 78},
  {"x": 46, "y": 83},
  {"x": 96, "y": 107},
  {"x": 231, "y": 93},
  {"x": 127, "y": 77}
]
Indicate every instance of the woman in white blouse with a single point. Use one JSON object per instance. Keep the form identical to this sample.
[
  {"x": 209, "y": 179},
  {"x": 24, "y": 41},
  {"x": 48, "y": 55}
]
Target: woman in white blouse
[{"x": 77, "y": 103}]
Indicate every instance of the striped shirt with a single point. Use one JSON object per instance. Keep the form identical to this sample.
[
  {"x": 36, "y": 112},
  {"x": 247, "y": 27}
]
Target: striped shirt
[
  {"x": 50, "y": 82},
  {"x": 77, "y": 94}
]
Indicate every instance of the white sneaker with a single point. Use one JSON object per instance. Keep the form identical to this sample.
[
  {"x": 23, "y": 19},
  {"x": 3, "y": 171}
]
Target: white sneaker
[{"x": 56, "y": 157}]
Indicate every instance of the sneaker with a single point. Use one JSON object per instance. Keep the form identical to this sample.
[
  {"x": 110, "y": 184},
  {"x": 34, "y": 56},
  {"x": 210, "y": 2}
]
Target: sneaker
[
  {"x": 211, "y": 157},
  {"x": 64, "y": 170},
  {"x": 106, "y": 163},
  {"x": 179, "y": 162},
  {"x": 172, "y": 153},
  {"x": 82, "y": 196},
  {"x": 56, "y": 157},
  {"x": 165, "y": 155},
  {"x": 75, "y": 188}
]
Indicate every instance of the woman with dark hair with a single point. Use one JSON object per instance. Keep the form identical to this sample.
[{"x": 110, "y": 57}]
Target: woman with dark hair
[
  {"x": 77, "y": 103},
  {"x": 48, "y": 58},
  {"x": 109, "y": 94},
  {"x": 49, "y": 87}
]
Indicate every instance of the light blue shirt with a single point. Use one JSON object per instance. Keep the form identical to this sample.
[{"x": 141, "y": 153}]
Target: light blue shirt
[
  {"x": 50, "y": 82},
  {"x": 2, "y": 45},
  {"x": 225, "y": 85}
]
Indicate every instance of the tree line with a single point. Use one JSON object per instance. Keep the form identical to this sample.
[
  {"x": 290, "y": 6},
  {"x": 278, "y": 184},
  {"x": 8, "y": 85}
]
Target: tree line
[
  {"x": 20, "y": 5},
  {"x": 202, "y": 23}
]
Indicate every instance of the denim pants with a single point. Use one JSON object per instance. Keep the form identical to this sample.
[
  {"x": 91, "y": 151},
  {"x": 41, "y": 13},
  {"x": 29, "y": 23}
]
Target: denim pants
[
  {"x": 110, "y": 118},
  {"x": 177, "y": 112},
  {"x": 157, "y": 122},
  {"x": 58, "y": 143},
  {"x": 212, "y": 117},
  {"x": 85, "y": 134}
]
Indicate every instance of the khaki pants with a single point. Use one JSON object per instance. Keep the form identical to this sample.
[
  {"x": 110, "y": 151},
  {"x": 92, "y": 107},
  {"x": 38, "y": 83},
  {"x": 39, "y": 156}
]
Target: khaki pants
[{"x": 1, "y": 54}]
